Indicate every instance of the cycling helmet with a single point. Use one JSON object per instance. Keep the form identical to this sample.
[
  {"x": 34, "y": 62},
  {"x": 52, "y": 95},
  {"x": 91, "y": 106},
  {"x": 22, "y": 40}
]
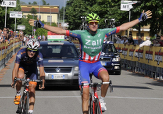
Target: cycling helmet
[
  {"x": 33, "y": 44},
  {"x": 92, "y": 16}
]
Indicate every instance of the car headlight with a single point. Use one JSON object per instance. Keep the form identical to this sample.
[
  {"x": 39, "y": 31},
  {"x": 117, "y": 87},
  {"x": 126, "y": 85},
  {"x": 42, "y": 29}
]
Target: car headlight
[
  {"x": 116, "y": 59},
  {"x": 76, "y": 68}
]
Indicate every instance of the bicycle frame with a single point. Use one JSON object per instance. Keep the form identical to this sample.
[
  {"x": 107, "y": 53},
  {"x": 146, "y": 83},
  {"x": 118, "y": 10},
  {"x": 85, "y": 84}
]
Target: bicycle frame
[
  {"x": 94, "y": 100},
  {"x": 24, "y": 102},
  {"x": 95, "y": 106}
]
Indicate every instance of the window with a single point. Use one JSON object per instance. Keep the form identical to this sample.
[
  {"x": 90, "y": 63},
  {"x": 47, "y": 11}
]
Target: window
[
  {"x": 141, "y": 35},
  {"x": 58, "y": 51},
  {"x": 49, "y": 18}
]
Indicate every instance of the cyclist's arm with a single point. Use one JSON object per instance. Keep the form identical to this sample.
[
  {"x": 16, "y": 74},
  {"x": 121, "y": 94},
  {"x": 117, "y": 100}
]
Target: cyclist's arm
[
  {"x": 56, "y": 30},
  {"x": 143, "y": 17},
  {"x": 128, "y": 25},
  {"x": 42, "y": 74},
  {"x": 15, "y": 71}
]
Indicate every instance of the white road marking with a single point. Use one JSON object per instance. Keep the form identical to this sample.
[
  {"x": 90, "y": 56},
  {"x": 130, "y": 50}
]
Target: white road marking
[{"x": 110, "y": 97}]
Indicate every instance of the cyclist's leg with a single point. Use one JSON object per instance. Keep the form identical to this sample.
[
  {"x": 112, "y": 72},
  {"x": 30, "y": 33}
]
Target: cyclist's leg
[
  {"x": 20, "y": 75},
  {"x": 101, "y": 73},
  {"x": 84, "y": 78},
  {"x": 18, "y": 86},
  {"x": 32, "y": 85}
]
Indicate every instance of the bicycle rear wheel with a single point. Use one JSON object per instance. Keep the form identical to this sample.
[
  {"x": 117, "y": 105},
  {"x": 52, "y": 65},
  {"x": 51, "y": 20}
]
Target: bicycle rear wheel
[{"x": 97, "y": 107}]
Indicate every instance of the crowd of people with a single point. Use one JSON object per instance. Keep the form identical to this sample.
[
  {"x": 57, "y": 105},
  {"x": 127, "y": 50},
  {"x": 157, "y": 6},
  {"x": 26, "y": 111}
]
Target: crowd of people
[
  {"x": 158, "y": 41},
  {"x": 6, "y": 35}
]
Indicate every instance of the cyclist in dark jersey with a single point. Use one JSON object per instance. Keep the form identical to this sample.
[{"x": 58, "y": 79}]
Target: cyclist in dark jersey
[
  {"x": 91, "y": 41},
  {"x": 27, "y": 60}
]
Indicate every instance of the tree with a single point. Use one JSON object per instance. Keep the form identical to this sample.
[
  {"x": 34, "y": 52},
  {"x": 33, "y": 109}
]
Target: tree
[
  {"x": 44, "y": 2},
  {"x": 156, "y": 24},
  {"x": 22, "y": 3},
  {"x": 34, "y": 3},
  {"x": 33, "y": 11}
]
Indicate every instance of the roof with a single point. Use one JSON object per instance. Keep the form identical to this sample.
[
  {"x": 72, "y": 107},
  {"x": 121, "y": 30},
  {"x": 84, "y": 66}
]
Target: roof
[{"x": 41, "y": 9}]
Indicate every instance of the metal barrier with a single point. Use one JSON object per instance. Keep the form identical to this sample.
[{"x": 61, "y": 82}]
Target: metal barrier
[
  {"x": 146, "y": 60},
  {"x": 7, "y": 50}
]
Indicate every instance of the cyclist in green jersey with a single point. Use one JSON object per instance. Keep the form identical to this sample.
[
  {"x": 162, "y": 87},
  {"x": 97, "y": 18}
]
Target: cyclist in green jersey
[{"x": 91, "y": 41}]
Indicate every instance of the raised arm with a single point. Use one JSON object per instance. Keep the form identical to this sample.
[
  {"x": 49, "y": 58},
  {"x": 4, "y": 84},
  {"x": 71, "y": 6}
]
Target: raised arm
[
  {"x": 39, "y": 24},
  {"x": 142, "y": 17}
]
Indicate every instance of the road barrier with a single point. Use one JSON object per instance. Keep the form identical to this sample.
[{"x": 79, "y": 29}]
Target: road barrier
[
  {"x": 147, "y": 60},
  {"x": 7, "y": 50}
]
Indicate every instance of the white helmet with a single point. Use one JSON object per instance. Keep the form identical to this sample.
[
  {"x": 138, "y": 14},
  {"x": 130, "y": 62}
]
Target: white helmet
[{"x": 33, "y": 44}]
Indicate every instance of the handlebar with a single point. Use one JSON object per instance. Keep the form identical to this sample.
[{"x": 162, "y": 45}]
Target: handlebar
[
  {"x": 97, "y": 85},
  {"x": 26, "y": 80}
]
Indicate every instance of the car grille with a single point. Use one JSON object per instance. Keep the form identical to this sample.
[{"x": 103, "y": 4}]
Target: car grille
[
  {"x": 55, "y": 69},
  {"x": 105, "y": 59}
]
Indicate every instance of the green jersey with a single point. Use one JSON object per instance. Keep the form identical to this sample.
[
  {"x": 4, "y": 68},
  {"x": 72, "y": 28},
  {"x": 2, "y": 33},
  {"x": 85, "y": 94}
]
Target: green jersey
[{"x": 91, "y": 45}]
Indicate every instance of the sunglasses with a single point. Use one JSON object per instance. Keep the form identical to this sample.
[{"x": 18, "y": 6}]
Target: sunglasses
[
  {"x": 30, "y": 50},
  {"x": 93, "y": 22}
]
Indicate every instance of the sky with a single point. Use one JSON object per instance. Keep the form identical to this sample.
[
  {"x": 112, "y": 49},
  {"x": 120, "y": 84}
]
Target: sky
[{"x": 51, "y": 2}]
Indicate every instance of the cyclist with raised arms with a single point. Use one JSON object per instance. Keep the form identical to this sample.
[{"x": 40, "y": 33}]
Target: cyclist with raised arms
[
  {"x": 26, "y": 62},
  {"x": 91, "y": 41}
]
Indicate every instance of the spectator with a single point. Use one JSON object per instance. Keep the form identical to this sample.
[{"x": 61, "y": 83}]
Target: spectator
[
  {"x": 118, "y": 39},
  {"x": 161, "y": 40},
  {"x": 130, "y": 40},
  {"x": 140, "y": 41},
  {"x": 0, "y": 31},
  {"x": 146, "y": 43},
  {"x": 43, "y": 37},
  {"x": 155, "y": 42},
  {"x": 125, "y": 39}
]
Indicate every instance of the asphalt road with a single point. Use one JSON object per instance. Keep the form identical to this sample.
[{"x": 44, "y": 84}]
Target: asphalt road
[{"x": 133, "y": 94}]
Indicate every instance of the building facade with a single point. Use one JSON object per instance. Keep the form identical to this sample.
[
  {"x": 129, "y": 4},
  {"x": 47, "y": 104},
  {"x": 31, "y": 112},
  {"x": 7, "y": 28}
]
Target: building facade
[{"x": 45, "y": 13}]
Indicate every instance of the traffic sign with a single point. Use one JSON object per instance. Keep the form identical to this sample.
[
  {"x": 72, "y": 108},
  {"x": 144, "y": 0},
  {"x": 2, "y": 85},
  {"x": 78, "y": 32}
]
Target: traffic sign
[
  {"x": 21, "y": 27},
  {"x": 127, "y": 5},
  {"x": 9, "y": 3},
  {"x": 15, "y": 14}
]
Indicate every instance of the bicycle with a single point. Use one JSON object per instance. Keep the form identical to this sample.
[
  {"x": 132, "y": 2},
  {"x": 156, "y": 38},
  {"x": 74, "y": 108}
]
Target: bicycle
[
  {"x": 24, "y": 101},
  {"x": 94, "y": 103}
]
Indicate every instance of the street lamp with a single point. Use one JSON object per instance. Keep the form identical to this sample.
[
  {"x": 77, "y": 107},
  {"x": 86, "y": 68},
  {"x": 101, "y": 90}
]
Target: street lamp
[{"x": 50, "y": 16}]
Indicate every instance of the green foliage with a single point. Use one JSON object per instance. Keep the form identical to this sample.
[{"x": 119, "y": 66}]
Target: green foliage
[
  {"x": 33, "y": 11},
  {"x": 157, "y": 14},
  {"x": 41, "y": 31},
  {"x": 44, "y": 2},
  {"x": 34, "y": 3}
]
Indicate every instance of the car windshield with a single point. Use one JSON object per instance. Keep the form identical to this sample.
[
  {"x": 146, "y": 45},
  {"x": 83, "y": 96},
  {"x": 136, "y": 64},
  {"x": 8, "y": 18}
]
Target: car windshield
[
  {"x": 109, "y": 48},
  {"x": 58, "y": 51}
]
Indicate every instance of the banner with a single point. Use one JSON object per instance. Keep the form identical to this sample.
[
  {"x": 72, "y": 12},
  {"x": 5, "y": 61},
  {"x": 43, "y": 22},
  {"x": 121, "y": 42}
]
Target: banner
[{"x": 147, "y": 55}]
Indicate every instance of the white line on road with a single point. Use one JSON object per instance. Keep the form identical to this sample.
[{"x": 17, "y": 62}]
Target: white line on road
[{"x": 111, "y": 97}]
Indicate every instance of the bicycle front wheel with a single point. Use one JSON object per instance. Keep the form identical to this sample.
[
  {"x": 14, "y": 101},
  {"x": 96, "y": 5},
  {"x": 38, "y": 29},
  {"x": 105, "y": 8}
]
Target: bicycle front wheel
[
  {"x": 97, "y": 107},
  {"x": 90, "y": 105},
  {"x": 26, "y": 106}
]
